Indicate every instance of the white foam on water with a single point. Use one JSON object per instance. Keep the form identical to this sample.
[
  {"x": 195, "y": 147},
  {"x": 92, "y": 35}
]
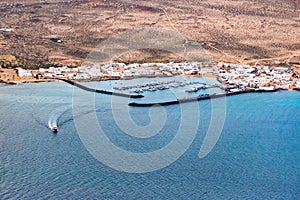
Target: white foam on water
[{"x": 55, "y": 115}]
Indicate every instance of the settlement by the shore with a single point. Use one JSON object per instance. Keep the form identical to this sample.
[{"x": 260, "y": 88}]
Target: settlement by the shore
[{"x": 234, "y": 77}]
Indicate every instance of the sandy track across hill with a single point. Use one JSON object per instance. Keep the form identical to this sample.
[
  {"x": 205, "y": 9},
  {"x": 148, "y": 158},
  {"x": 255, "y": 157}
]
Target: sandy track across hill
[{"x": 240, "y": 31}]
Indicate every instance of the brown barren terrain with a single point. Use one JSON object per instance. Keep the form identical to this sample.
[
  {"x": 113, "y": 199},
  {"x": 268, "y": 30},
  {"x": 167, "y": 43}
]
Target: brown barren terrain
[{"x": 239, "y": 31}]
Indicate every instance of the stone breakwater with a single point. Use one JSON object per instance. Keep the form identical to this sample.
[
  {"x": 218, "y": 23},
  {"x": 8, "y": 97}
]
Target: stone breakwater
[{"x": 198, "y": 98}]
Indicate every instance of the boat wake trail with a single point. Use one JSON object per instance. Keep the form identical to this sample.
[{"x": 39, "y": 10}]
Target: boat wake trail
[
  {"x": 52, "y": 123},
  {"x": 80, "y": 114},
  {"x": 63, "y": 114},
  {"x": 55, "y": 116}
]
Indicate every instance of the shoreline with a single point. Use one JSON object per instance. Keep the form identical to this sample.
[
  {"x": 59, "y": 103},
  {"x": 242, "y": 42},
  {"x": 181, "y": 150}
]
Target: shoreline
[
  {"x": 113, "y": 71},
  {"x": 33, "y": 80},
  {"x": 231, "y": 77},
  {"x": 75, "y": 83}
]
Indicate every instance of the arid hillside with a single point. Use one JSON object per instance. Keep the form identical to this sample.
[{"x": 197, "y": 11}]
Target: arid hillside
[{"x": 35, "y": 33}]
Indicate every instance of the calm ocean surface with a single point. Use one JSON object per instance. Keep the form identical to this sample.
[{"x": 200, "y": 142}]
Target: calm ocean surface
[{"x": 257, "y": 155}]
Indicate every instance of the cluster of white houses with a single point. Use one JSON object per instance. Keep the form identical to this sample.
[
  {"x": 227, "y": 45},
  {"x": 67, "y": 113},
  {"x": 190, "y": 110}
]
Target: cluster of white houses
[
  {"x": 115, "y": 70},
  {"x": 233, "y": 76},
  {"x": 239, "y": 77}
]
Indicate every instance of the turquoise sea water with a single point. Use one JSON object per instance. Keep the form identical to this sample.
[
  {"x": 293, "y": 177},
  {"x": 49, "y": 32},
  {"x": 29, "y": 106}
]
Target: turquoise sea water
[{"x": 256, "y": 157}]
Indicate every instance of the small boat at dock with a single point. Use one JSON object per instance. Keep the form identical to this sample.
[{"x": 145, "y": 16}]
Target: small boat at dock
[{"x": 196, "y": 89}]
